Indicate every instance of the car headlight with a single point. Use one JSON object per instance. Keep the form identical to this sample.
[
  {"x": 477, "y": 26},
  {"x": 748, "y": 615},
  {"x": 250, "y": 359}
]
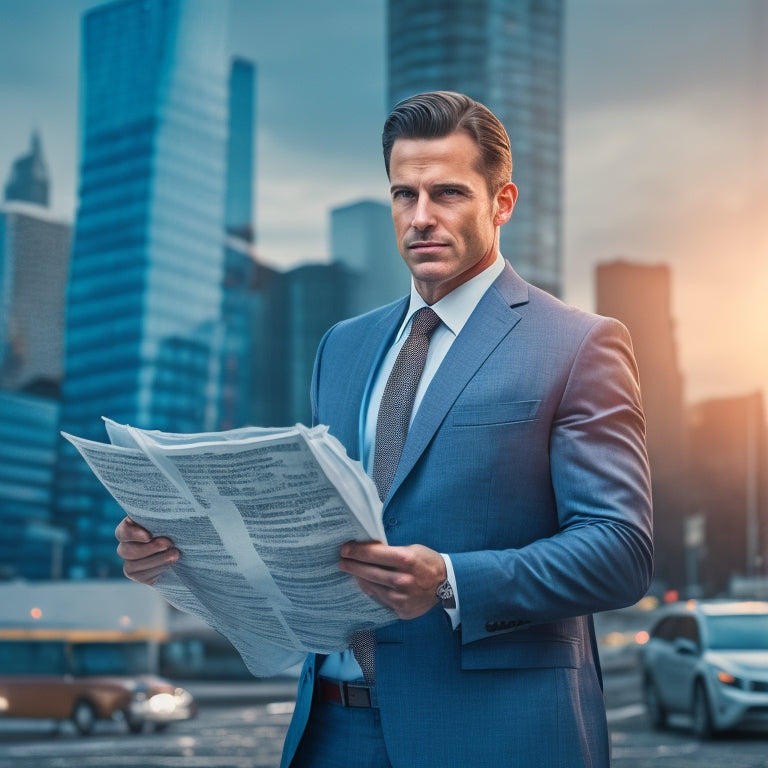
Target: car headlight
[
  {"x": 162, "y": 703},
  {"x": 726, "y": 678},
  {"x": 183, "y": 697}
]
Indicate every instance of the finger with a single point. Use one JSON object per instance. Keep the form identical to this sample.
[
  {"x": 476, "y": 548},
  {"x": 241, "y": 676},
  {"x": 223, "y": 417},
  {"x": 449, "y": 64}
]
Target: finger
[
  {"x": 146, "y": 570},
  {"x": 405, "y": 605},
  {"x": 371, "y": 552},
  {"x": 140, "y": 550},
  {"x": 128, "y": 530},
  {"x": 373, "y": 574},
  {"x": 148, "y": 577},
  {"x": 376, "y": 591}
]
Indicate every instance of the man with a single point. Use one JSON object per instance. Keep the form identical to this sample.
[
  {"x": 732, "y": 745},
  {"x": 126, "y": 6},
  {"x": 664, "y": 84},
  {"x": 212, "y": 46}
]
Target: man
[{"x": 520, "y": 503}]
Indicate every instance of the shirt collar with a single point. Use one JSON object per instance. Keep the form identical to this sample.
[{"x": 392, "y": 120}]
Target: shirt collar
[{"x": 455, "y": 308}]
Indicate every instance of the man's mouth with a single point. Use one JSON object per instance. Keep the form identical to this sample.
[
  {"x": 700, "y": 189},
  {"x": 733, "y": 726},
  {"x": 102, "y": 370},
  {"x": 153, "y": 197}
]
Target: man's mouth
[{"x": 425, "y": 245}]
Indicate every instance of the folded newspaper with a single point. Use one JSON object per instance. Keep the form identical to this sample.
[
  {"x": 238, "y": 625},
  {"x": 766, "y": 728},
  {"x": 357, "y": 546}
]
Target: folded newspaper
[{"x": 259, "y": 516}]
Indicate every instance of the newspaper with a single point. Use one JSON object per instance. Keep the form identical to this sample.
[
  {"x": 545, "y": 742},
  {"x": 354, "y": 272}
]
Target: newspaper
[{"x": 259, "y": 516}]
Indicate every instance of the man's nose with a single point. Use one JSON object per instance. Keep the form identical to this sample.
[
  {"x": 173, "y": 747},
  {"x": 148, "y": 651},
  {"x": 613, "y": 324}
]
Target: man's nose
[{"x": 423, "y": 213}]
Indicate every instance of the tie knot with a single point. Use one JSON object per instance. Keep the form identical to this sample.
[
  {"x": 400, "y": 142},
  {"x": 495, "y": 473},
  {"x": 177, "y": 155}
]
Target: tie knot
[{"x": 424, "y": 322}]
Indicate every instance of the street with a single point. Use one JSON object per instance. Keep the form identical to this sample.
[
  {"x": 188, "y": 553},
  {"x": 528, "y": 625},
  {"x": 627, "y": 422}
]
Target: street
[
  {"x": 636, "y": 745},
  {"x": 247, "y": 732},
  {"x": 244, "y": 736}
]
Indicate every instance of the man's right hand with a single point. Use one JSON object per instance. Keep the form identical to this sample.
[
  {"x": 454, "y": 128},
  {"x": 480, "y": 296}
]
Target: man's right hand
[{"x": 144, "y": 558}]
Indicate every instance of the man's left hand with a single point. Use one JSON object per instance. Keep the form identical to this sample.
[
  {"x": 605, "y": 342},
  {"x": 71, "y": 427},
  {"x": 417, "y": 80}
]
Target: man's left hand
[{"x": 402, "y": 578}]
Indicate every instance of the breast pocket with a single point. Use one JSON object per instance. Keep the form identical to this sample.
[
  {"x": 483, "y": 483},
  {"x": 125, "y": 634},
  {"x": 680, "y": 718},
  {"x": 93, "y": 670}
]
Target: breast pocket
[{"x": 496, "y": 413}]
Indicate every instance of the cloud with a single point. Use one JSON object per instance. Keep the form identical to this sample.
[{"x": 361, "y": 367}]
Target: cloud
[
  {"x": 666, "y": 128},
  {"x": 663, "y": 152}
]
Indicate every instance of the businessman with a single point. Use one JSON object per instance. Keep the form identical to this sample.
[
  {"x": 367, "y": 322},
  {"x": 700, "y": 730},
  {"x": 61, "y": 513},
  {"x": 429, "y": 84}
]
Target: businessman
[{"x": 505, "y": 433}]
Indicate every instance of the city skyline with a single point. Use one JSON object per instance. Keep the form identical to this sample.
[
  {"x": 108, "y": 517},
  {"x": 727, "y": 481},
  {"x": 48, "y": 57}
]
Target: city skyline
[{"x": 664, "y": 145}]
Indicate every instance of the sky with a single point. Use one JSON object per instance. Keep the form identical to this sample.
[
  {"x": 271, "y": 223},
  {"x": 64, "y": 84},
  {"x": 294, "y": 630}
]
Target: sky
[{"x": 665, "y": 133}]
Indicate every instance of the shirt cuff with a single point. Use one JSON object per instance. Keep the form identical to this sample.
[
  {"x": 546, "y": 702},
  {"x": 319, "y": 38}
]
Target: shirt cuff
[{"x": 454, "y": 614}]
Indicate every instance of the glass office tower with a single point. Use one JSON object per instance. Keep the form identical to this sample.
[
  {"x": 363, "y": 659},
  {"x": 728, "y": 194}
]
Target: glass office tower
[
  {"x": 28, "y": 180},
  {"x": 34, "y": 259},
  {"x": 363, "y": 241},
  {"x": 145, "y": 291},
  {"x": 508, "y": 55},
  {"x": 239, "y": 209},
  {"x": 30, "y": 547}
]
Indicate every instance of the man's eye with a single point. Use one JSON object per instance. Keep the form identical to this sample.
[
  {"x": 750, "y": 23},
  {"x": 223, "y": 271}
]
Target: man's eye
[{"x": 402, "y": 194}]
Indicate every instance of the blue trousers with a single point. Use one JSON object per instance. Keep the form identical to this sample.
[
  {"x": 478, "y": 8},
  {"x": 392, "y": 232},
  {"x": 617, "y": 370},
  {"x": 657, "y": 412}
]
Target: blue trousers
[{"x": 341, "y": 737}]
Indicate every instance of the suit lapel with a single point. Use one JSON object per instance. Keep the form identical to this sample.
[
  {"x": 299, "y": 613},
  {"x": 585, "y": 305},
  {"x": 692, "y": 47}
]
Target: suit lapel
[{"x": 491, "y": 321}]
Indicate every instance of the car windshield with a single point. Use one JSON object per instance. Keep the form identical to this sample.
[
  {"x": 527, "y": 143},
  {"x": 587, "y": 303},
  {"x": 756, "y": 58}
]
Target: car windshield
[{"x": 738, "y": 633}]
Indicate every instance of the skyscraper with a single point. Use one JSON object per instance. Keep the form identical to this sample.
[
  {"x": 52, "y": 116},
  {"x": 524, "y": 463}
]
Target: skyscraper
[
  {"x": 508, "y": 55},
  {"x": 34, "y": 256},
  {"x": 239, "y": 336},
  {"x": 30, "y": 547},
  {"x": 239, "y": 212},
  {"x": 729, "y": 486},
  {"x": 363, "y": 241},
  {"x": 239, "y": 300},
  {"x": 145, "y": 294},
  {"x": 315, "y": 296},
  {"x": 28, "y": 181},
  {"x": 640, "y": 296}
]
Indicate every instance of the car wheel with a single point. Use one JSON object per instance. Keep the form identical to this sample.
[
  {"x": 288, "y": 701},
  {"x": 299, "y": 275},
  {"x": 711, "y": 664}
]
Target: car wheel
[
  {"x": 656, "y": 711},
  {"x": 702, "y": 714},
  {"x": 135, "y": 724},
  {"x": 84, "y": 717}
]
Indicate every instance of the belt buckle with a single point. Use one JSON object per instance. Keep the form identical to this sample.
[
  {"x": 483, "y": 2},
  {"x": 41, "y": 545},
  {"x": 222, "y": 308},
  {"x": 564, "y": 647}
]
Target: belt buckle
[
  {"x": 347, "y": 694},
  {"x": 356, "y": 695}
]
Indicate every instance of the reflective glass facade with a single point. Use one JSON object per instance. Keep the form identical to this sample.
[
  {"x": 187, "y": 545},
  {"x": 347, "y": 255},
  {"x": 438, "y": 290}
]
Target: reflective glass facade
[
  {"x": 363, "y": 240},
  {"x": 34, "y": 255},
  {"x": 30, "y": 546},
  {"x": 241, "y": 305},
  {"x": 508, "y": 55},
  {"x": 290, "y": 312},
  {"x": 240, "y": 155},
  {"x": 316, "y": 296},
  {"x": 145, "y": 289}
]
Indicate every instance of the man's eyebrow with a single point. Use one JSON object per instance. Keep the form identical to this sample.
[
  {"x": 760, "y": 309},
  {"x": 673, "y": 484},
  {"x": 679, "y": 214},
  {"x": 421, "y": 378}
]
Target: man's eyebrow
[
  {"x": 453, "y": 185},
  {"x": 460, "y": 185}
]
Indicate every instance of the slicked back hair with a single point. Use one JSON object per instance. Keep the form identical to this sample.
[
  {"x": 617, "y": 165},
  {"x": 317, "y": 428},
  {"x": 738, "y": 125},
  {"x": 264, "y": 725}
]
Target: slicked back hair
[{"x": 437, "y": 114}]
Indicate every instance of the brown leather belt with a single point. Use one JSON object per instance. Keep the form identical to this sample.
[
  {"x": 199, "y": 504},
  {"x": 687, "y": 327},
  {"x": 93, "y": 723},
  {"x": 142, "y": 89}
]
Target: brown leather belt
[{"x": 344, "y": 693}]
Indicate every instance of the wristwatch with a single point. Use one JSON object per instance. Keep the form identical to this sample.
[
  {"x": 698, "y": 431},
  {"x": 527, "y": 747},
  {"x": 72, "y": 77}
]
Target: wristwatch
[{"x": 445, "y": 594}]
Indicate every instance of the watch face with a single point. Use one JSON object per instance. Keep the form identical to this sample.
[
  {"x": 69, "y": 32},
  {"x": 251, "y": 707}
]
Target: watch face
[{"x": 444, "y": 592}]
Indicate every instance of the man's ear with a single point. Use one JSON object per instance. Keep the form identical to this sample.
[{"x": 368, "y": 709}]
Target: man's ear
[{"x": 505, "y": 203}]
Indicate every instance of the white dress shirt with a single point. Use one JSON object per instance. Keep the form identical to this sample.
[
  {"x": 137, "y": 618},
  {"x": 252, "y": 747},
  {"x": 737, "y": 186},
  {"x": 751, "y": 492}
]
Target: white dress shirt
[{"x": 454, "y": 311}]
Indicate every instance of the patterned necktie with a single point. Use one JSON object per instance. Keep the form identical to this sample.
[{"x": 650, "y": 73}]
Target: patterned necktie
[
  {"x": 397, "y": 399},
  {"x": 391, "y": 431}
]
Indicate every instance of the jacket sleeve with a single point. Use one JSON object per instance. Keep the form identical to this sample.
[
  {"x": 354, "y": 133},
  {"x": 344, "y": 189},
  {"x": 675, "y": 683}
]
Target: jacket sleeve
[{"x": 601, "y": 557}]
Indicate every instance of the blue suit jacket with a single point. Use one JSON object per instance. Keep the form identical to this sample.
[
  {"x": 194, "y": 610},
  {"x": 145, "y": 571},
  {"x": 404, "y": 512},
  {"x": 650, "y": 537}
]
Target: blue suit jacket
[{"x": 526, "y": 463}]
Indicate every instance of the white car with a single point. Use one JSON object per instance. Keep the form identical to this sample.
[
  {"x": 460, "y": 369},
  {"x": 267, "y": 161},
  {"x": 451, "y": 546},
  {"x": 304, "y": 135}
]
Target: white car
[{"x": 708, "y": 660}]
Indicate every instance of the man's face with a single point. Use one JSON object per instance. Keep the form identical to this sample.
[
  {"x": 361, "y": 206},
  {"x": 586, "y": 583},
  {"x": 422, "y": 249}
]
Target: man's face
[{"x": 446, "y": 222}]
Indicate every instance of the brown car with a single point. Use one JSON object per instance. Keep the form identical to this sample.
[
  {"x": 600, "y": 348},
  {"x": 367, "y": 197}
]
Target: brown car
[{"x": 86, "y": 682}]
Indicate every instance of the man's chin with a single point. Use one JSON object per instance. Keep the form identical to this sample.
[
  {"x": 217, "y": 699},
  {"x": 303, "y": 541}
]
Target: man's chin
[{"x": 429, "y": 272}]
